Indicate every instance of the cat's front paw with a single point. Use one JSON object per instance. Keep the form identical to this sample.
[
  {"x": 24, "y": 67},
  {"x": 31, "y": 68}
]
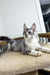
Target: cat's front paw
[{"x": 39, "y": 53}]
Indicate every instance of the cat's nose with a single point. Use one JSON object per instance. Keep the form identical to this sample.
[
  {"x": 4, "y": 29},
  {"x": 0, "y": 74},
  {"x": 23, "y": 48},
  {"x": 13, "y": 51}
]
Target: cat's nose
[{"x": 26, "y": 35}]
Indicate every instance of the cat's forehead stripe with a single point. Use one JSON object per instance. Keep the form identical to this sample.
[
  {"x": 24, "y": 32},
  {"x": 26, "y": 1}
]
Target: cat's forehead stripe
[{"x": 28, "y": 29}]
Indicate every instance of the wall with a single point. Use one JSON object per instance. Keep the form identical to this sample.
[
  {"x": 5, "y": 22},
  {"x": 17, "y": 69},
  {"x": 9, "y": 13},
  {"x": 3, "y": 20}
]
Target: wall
[
  {"x": 2, "y": 31},
  {"x": 17, "y": 12},
  {"x": 40, "y": 16}
]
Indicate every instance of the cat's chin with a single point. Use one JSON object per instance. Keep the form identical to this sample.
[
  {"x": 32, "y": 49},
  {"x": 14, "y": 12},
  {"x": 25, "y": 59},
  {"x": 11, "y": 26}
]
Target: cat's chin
[{"x": 28, "y": 39}]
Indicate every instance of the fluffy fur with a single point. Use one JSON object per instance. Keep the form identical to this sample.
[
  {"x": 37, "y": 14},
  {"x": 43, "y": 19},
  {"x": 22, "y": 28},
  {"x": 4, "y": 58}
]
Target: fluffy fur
[{"x": 29, "y": 45}]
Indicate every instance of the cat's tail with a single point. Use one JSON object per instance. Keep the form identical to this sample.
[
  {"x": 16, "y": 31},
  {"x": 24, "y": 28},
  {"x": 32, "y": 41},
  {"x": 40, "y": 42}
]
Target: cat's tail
[{"x": 7, "y": 39}]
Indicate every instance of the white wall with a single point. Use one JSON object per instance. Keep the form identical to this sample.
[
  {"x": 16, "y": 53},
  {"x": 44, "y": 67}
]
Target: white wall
[
  {"x": 17, "y": 12},
  {"x": 2, "y": 31}
]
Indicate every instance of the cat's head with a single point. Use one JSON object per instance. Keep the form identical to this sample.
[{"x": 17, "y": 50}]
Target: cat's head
[{"x": 28, "y": 33}]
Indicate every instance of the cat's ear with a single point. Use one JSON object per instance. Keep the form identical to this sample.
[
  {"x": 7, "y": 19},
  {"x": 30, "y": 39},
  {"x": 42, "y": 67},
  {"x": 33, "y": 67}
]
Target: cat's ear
[
  {"x": 33, "y": 27},
  {"x": 25, "y": 27}
]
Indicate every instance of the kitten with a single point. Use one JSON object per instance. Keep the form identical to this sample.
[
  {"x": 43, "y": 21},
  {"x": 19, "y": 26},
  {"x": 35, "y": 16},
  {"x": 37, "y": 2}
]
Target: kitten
[
  {"x": 32, "y": 43},
  {"x": 29, "y": 45}
]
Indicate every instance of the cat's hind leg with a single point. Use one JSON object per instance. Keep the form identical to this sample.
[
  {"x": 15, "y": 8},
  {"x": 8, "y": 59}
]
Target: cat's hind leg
[{"x": 44, "y": 49}]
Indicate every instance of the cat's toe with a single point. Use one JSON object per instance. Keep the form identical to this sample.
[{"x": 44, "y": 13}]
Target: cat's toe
[{"x": 39, "y": 54}]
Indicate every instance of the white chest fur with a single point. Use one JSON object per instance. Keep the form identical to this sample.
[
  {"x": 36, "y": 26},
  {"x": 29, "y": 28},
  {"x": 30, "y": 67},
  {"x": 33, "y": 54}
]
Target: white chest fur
[{"x": 32, "y": 44}]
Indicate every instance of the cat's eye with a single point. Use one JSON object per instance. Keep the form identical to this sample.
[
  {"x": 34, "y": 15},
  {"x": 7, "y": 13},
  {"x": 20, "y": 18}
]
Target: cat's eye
[
  {"x": 24, "y": 33},
  {"x": 29, "y": 32}
]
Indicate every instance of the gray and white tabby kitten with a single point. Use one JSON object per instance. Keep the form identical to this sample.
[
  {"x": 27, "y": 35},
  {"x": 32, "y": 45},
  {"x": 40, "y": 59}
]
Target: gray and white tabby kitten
[{"x": 29, "y": 45}]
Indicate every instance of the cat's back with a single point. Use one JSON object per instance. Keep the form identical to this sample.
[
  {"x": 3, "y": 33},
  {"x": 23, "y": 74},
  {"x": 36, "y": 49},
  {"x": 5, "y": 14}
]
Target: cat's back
[{"x": 18, "y": 42}]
